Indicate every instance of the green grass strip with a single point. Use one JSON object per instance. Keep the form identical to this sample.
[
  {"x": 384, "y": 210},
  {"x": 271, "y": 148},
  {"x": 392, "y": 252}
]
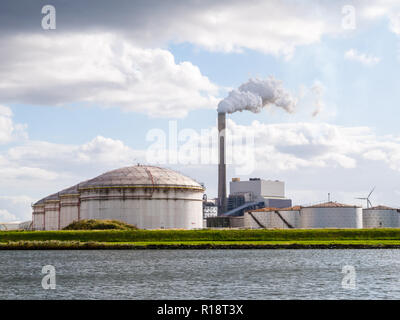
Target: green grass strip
[{"x": 201, "y": 235}]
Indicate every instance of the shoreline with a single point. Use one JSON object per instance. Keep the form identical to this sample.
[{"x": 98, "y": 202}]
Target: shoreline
[
  {"x": 50, "y": 245},
  {"x": 201, "y": 239}
]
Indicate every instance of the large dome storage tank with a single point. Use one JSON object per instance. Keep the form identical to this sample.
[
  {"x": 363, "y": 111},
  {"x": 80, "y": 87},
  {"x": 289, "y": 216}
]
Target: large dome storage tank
[
  {"x": 146, "y": 196},
  {"x": 381, "y": 217},
  {"x": 331, "y": 215}
]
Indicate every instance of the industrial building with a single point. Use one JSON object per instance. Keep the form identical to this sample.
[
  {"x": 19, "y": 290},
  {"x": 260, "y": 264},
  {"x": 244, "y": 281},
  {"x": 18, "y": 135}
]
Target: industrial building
[
  {"x": 381, "y": 217},
  {"x": 251, "y": 194},
  {"x": 255, "y": 192},
  {"x": 323, "y": 215},
  {"x": 148, "y": 197},
  {"x": 209, "y": 210},
  {"x": 244, "y": 195}
]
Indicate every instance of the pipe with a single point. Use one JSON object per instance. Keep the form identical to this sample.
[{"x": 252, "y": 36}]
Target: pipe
[{"x": 221, "y": 165}]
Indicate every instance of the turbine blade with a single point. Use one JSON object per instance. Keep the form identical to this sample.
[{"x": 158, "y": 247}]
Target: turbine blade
[{"x": 371, "y": 192}]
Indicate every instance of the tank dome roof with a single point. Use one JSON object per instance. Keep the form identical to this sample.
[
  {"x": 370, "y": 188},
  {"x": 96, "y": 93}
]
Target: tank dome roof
[
  {"x": 139, "y": 175},
  {"x": 380, "y": 208},
  {"x": 142, "y": 176},
  {"x": 332, "y": 204}
]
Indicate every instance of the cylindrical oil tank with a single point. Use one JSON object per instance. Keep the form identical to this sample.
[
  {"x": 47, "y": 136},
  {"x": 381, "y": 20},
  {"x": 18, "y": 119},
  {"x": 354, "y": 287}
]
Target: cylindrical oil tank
[
  {"x": 272, "y": 218},
  {"x": 69, "y": 208},
  {"x": 381, "y": 217},
  {"x": 38, "y": 217},
  {"x": 148, "y": 197},
  {"x": 331, "y": 215},
  {"x": 51, "y": 214}
]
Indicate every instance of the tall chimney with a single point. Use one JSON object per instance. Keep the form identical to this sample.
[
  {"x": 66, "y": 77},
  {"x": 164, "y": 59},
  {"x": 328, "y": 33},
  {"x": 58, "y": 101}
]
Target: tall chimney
[{"x": 221, "y": 165}]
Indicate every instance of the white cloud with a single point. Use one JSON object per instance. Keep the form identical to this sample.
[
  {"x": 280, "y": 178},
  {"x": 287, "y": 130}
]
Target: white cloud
[
  {"x": 383, "y": 8},
  {"x": 365, "y": 59},
  {"x": 274, "y": 27},
  {"x": 6, "y": 216},
  {"x": 10, "y": 131},
  {"x": 291, "y": 146},
  {"x": 20, "y": 206},
  {"x": 104, "y": 69},
  {"x": 39, "y": 168},
  {"x": 99, "y": 152}
]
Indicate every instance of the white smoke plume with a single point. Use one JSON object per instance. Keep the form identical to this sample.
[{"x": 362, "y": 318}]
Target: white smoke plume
[{"x": 257, "y": 94}]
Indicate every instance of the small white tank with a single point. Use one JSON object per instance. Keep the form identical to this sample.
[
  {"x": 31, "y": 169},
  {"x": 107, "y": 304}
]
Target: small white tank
[
  {"x": 331, "y": 215},
  {"x": 381, "y": 217}
]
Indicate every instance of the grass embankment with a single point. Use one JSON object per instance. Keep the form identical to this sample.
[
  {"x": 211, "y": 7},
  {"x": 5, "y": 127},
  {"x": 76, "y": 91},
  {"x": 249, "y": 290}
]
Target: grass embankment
[{"x": 201, "y": 239}]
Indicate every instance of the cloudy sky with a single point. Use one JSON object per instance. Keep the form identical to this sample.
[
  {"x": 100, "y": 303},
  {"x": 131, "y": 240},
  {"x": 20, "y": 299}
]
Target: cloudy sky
[{"x": 116, "y": 79}]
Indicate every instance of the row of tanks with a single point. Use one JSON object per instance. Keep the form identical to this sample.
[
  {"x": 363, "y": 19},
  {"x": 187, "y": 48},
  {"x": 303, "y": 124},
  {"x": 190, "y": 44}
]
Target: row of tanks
[{"x": 324, "y": 215}]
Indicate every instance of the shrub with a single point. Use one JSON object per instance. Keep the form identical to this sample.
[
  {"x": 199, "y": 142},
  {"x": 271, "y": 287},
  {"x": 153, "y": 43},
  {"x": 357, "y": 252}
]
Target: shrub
[{"x": 93, "y": 224}]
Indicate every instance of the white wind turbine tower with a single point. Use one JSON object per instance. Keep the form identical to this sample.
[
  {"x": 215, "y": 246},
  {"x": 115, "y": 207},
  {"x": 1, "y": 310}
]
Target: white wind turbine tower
[{"x": 369, "y": 204}]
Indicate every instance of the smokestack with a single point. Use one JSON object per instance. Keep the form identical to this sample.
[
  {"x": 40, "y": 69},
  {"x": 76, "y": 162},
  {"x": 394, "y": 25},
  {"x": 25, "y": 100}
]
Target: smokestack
[
  {"x": 221, "y": 164},
  {"x": 253, "y": 96}
]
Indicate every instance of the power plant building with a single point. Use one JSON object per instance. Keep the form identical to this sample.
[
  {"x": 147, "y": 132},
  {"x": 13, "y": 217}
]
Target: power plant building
[
  {"x": 148, "y": 197},
  {"x": 255, "y": 193}
]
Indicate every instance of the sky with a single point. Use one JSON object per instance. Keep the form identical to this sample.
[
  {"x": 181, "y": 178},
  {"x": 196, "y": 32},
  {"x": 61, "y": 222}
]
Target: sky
[{"x": 99, "y": 85}]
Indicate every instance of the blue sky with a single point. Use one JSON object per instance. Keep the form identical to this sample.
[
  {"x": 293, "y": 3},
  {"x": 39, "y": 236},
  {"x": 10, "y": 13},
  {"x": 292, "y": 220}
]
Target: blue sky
[{"x": 77, "y": 102}]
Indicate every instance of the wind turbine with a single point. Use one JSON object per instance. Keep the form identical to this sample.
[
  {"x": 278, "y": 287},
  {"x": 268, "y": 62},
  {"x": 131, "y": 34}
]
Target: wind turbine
[{"x": 369, "y": 204}]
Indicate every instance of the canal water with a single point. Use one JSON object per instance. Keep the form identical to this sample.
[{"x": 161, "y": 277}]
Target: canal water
[{"x": 202, "y": 274}]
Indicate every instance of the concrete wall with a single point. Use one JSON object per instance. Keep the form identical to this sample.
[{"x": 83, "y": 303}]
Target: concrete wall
[
  {"x": 381, "y": 218},
  {"x": 278, "y": 203},
  {"x": 225, "y": 222},
  {"x": 236, "y": 222},
  {"x": 270, "y": 219},
  {"x": 335, "y": 217}
]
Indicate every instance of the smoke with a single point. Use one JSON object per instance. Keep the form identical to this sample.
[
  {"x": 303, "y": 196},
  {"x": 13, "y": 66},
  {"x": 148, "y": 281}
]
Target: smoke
[
  {"x": 257, "y": 94},
  {"x": 317, "y": 89}
]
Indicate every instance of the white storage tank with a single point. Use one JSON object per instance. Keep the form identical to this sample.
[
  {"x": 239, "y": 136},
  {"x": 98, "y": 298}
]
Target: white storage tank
[
  {"x": 9, "y": 226},
  {"x": 26, "y": 225},
  {"x": 146, "y": 196},
  {"x": 381, "y": 217},
  {"x": 331, "y": 215},
  {"x": 272, "y": 218}
]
